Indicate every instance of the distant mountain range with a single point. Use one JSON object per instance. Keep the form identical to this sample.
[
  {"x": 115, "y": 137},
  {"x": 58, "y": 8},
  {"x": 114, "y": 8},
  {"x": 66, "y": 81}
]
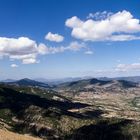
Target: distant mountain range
[
  {"x": 59, "y": 81},
  {"x": 8, "y": 80},
  {"x": 42, "y": 82},
  {"x": 97, "y": 86},
  {"x": 70, "y": 79},
  {"x": 129, "y": 78},
  {"x": 27, "y": 82}
]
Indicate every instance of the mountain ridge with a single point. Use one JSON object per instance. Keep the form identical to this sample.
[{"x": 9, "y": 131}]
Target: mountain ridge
[
  {"x": 29, "y": 82},
  {"x": 97, "y": 86}
]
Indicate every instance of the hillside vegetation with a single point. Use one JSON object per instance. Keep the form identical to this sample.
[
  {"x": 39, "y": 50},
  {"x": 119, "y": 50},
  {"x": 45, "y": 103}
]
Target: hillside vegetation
[{"x": 64, "y": 113}]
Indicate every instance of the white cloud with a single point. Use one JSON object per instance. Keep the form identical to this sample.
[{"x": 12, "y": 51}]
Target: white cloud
[
  {"x": 74, "y": 22},
  {"x": 42, "y": 49},
  {"x": 22, "y": 48},
  {"x": 99, "y": 15},
  {"x": 30, "y": 61},
  {"x": 89, "y": 52},
  {"x": 14, "y": 65},
  {"x": 127, "y": 67},
  {"x": 27, "y": 50},
  {"x": 122, "y": 37},
  {"x": 51, "y": 50},
  {"x": 120, "y": 26},
  {"x": 73, "y": 46},
  {"x": 54, "y": 37}
]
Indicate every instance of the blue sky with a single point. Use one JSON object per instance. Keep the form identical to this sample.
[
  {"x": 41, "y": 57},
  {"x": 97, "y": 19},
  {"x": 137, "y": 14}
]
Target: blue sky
[{"x": 79, "y": 43}]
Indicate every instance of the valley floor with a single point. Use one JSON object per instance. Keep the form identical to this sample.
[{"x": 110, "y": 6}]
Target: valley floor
[{"x": 122, "y": 106}]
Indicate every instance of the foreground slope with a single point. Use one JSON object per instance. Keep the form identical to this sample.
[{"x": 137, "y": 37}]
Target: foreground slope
[
  {"x": 7, "y": 135},
  {"x": 39, "y": 115}
]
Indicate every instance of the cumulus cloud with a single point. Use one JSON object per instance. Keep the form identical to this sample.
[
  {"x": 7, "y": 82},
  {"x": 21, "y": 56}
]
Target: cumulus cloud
[
  {"x": 73, "y": 46},
  {"x": 21, "y": 48},
  {"x": 14, "y": 65},
  {"x": 54, "y": 37},
  {"x": 27, "y": 50},
  {"x": 128, "y": 67},
  {"x": 120, "y": 26}
]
